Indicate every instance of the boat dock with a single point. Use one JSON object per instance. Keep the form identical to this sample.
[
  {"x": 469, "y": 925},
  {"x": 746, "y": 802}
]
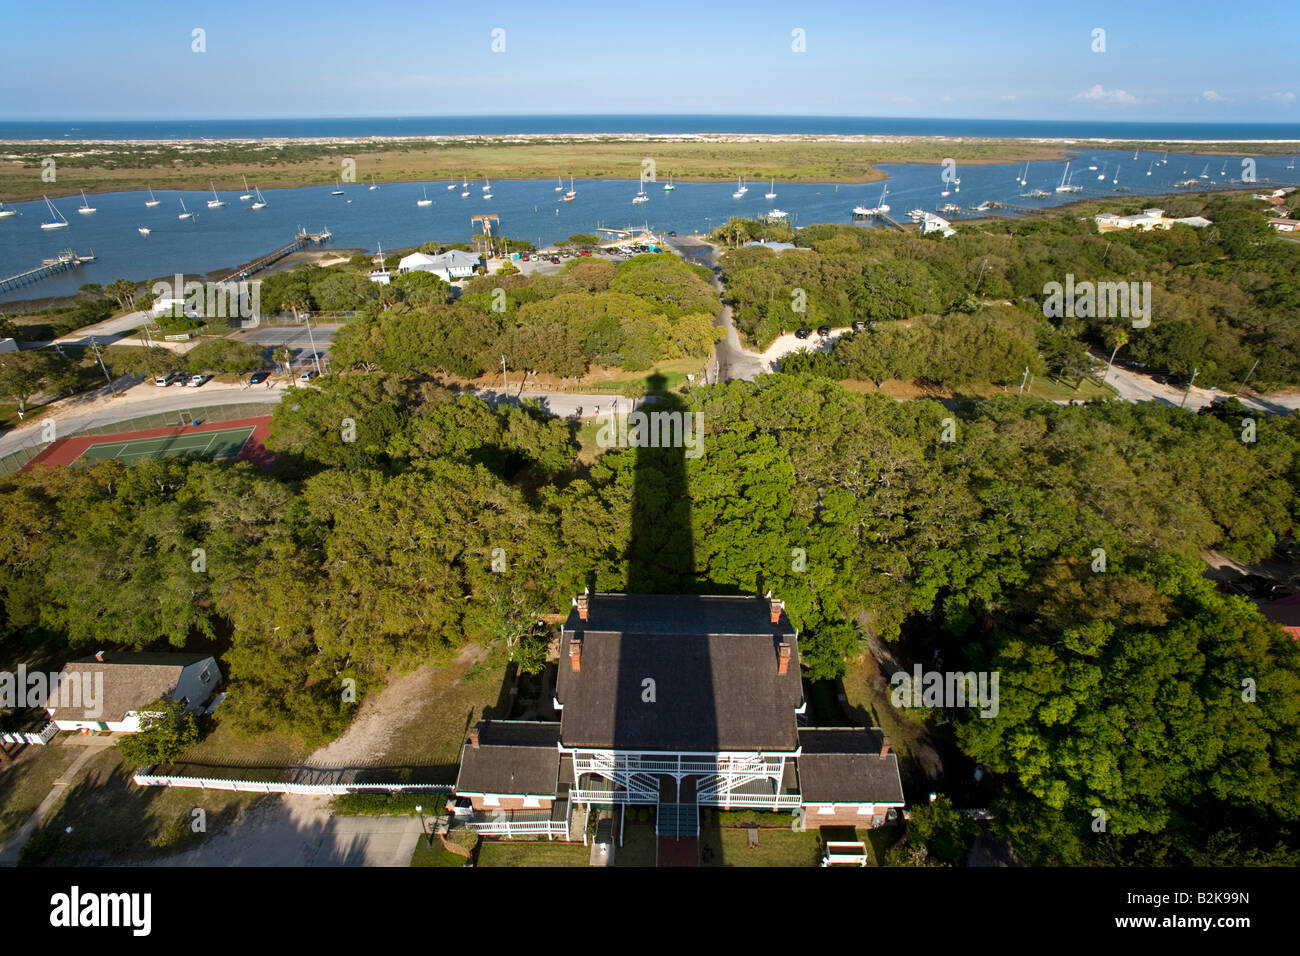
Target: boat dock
[
  {"x": 65, "y": 260},
  {"x": 301, "y": 240}
]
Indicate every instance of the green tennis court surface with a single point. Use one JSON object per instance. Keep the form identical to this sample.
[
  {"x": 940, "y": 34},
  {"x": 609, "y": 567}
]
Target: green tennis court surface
[{"x": 224, "y": 443}]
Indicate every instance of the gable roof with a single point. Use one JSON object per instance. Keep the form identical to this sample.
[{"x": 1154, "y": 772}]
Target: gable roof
[
  {"x": 844, "y": 765},
  {"x": 513, "y": 757},
  {"x": 131, "y": 681},
  {"x": 713, "y": 664}
]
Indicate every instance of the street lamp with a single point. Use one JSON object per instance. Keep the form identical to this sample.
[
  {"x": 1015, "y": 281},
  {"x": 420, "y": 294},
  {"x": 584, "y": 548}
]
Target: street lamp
[{"x": 419, "y": 809}]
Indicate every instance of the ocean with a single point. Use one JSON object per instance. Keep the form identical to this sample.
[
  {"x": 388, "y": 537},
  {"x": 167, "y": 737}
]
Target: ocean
[{"x": 356, "y": 127}]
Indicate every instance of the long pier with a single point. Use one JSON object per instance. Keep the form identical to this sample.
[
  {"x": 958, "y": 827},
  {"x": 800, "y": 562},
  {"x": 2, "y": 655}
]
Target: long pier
[
  {"x": 65, "y": 260},
  {"x": 302, "y": 240}
]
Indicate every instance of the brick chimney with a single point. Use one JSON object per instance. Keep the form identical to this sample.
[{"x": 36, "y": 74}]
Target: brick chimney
[
  {"x": 583, "y": 602},
  {"x": 885, "y": 746},
  {"x": 575, "y": 654},
  {"x": 473, "y": 737},
  {"x": 783, "y": 658},
  {"x": 99, "y": 656},
  {"x": 775, "y": 607}
]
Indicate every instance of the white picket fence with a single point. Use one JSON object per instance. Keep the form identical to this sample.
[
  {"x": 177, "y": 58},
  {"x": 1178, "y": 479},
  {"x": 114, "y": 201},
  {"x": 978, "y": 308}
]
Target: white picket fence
[
  {"x": 45, "y": 735},
  {"x": 145, "y": 779}
]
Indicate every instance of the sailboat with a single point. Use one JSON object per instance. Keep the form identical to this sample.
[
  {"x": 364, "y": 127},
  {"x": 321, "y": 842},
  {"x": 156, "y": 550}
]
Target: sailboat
[
  {"x": 743, "y": 187},
  {"x": 740, "y": 190},
  {"x": 1064, "y": 187},
  {"x": 426, "y": 201},
  {"x": 1224, "y": 170},
  {"x": 372, "y": 183},
  {"x": 1135, "y": 154},
  {"x": 771, "y": 191},
  {"x": 381, "y": 274},
  {"x": 56, "y": 221},
  {"x": 86, "y": 208},
  {"x": 214, "y": 202},
  {"x": 1165, "y": 161},
  {"x": 185, "y": 213},
  {"x": 245, "y": 195},
  {"x": 559, "y": 184},
  {"x": 572, "y": 194},
  {"x": 1115, "y": 181},
  {"x": 451, "y": 185},
  {"x": 1149, "y": 169},
  {"x": 151, "y": 202},
  {"x": 1205, "y": 173},
  {"x": 668, "y": 186},
  {"x": 864, "y": 211},
  {"x": 144, "y": 230},
  {"x": 339, "y": 191},
  {"x": 1291, "y": 165},
  {"x": 464, "y": 189},
  {"x": 641, "y": 196},
  {"x": 260, "y": 203},
  {"x": 487, "y": 185},
  {"x": 1102, "y": 175},
  {"x": 6, "y": 213}
]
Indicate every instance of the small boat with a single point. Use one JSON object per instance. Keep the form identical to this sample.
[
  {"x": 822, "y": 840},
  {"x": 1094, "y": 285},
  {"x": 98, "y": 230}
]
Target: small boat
[
  {"x": 641, "y": 197},
  {"x": 1165, "y": 161},
  {"x": 1149, "y": 169},
  {"x": 781, "y": 213},
  {"x": 451, "y": 185},
  {"x": 1222, "y": 172},
  {"x": 1065, "y": 180},
  {"x": 426, "y": 201},
  {"x": 144, "y": 230},
  {"x": 1205, "y": 173},
  {"x": 56, "y": 221},
  {"x": 668, "y": 186},
  {"x": 1103, "y": 172},
  {"x": 1135, "y": 154},
  {"x": 572, "y": 194},
  {"x": 740, "y": 190},
  {"x": 260, "y": 203},
  {"x": 487, "y": 185},
  {"x": 6, "y": 213},
  {"x": 185, "y": 213},
  {"x": 487, "y": 195},
  {"x": 771, "y": 191},
  {"x": 214, "y": 202},
  {"x": 559, "y": 184},
  {"x": 151, "y": 201},
  {"x": 372, "y": 183},
  {"x": 464, "y": 194},
  {"x": 245, "y": 195},
  {"x": 86, "y": 208},
  {"x": 1291, "y": 165},
  {"x": 339, "y": 191}
]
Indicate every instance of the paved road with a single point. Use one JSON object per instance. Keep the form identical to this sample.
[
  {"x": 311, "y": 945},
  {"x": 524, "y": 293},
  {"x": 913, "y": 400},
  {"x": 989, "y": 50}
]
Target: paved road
[
  {"x": 1135, "y": 387},
  {"x": 300, "y": 831}
]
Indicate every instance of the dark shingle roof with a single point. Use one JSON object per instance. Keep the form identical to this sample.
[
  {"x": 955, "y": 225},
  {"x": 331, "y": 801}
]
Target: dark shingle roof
[
  {"x": 513, "y": 756},
  {"x": 843, "y": 765},
  {"x": 713, "y": 661}
]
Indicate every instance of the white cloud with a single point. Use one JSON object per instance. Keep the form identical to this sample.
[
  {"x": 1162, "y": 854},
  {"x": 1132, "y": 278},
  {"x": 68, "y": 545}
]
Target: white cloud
[
  {"x": 1210, "y": 96},
  {"x": 1096, "y": 94},
  {"x": 1283, "y": 99}
]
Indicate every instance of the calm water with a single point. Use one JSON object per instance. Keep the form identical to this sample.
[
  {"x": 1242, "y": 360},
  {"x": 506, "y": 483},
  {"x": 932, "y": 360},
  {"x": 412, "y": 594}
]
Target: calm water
[
  {"x": 505, "y": 125},
  {"x": 529, "y": 209}
]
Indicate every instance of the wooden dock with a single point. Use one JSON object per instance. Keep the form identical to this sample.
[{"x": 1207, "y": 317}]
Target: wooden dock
[
  {"x": 302, "y": 240},
  {"x": 65, "y": 260}
]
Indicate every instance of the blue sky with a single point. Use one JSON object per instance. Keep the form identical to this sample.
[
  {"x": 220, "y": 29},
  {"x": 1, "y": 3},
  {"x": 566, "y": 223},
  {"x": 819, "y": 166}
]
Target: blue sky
[{"x": 1184, "y": 61}]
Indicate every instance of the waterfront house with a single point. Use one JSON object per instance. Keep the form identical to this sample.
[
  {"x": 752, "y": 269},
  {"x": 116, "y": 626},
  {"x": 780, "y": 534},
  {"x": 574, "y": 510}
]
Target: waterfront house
[
  {"x": 1146, "y": 220},
  {"x": 447, "y": 266}
]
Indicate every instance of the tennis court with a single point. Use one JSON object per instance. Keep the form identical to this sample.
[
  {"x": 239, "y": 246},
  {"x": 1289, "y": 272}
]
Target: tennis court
[{"x": 223, "y": 443}]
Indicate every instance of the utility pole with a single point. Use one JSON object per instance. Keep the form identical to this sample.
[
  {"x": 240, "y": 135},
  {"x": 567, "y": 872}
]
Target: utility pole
[
  {"x": 505, "y": 384},
  {"x": 1248, "y": 375},
  {"x": 1195, "y": 371},
  {"x": 1024, "y": 378},
  {"x": 95, "y": 348},
  {"x": 312, "y": 339}
]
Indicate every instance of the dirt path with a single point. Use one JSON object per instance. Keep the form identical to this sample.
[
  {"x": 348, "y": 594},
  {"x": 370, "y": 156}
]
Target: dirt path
[{"x": 383, "y": 716}]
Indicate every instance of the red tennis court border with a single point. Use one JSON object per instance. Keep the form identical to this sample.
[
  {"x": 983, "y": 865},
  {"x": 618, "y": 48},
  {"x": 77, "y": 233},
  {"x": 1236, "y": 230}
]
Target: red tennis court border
[{"x": 67, "y": 450}]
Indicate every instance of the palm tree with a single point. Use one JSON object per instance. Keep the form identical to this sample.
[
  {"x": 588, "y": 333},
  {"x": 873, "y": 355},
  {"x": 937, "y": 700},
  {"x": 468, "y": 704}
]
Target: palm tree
[{"x": 283, "y": 356}]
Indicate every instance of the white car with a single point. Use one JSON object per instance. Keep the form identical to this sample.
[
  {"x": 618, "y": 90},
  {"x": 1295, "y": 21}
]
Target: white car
[
  {"x": 162, "y": 381},
  {"x": 194, "y": 381},
  {"x": 308, "y": 375}
]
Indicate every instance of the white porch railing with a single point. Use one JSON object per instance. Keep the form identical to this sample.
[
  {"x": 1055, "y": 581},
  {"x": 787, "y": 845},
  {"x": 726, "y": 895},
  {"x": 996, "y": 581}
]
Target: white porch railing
[{"x": 43, "y": 736}]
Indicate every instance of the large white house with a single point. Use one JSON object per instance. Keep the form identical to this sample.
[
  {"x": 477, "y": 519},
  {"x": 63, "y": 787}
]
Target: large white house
[
  {"x": 114, "y": 691},
  {"x": 674, "y": 702},
  {"x": 1146, "y": 220},
  {"x": 447, "y": 266}
]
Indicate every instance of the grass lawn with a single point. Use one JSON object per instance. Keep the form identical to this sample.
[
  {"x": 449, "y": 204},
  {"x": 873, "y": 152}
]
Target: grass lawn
[
  {"x": 113, "y": 821},
  {"x": 638, "y": 847},
  {"x": 435, "y": 855},
  {"x": 533, "y": 853},
  {"x": 25, "y": 782},
  {"x": 730, "y": 847},
  {"x": 225, "y": 746}
]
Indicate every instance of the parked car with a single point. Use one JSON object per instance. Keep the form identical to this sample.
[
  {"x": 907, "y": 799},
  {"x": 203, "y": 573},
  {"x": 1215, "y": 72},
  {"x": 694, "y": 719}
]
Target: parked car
[
  {"x": 258, "y": 378},
  {"x": 555, "y": 260},
  {"x": 523, "y": 258},
  {"x": 803, "y": 333},
  {"x": 859, "y": 325},
  {"x": 308, "y": 375},
  {"x": 162, "y": 381},
  {"x": 584, "y": 252},
  {"x": 195, "y": 381},
  {"x": 823, "y": 330}
]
